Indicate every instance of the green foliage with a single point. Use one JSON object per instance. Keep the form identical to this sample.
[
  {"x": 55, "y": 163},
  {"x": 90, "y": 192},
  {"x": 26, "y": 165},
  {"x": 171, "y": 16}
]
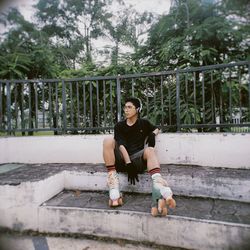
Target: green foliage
[{"x": 60, "y": 43}]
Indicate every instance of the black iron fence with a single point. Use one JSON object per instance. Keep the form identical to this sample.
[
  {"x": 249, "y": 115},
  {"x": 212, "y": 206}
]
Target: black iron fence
[{"x": 209, "y": 99}]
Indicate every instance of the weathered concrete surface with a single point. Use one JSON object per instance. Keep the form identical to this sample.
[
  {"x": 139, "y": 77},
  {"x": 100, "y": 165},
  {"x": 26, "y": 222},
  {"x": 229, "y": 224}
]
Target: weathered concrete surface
[
  {"x": 195, "y": 224},
  {"x": 26, "y": 242},
  {"x": 199, "y": 208},
  {"x": 208, "y": 149},
  {"x": 24, "y": 189},
  {"x": 184, "y": 180}
]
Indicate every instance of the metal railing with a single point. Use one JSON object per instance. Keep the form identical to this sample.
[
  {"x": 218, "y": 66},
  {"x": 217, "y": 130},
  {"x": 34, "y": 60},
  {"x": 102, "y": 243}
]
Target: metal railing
[{"x": 208, "y": 99}]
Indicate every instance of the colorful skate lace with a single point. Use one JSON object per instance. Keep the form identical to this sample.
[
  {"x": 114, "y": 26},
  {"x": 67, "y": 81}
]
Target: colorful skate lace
[
  {"x": 114, "y": 193},
  {"x": 161, "y": 197}
]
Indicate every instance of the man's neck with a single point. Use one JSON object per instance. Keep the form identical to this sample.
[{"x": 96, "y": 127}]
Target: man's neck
[{"x": 132, "y": 120}]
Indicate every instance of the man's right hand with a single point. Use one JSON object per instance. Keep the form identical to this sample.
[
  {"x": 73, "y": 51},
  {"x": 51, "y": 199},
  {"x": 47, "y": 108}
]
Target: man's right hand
[{"x": 132, "y": 173}]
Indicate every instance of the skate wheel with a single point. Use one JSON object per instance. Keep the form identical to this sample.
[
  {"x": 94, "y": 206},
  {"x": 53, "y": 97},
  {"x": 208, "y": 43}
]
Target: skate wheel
[
  {"x": 120, "y": 201},
  {"x": 161, "y": 205},
  {"x": 164, "y": 211},
  {"x": 154, "y": 211},
  {"x": 113, "y": 203},
  {"x": 171, "y": 203}
]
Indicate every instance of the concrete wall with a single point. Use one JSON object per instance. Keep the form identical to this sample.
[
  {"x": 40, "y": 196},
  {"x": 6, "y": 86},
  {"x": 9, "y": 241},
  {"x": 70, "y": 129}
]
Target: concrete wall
[{"x": 216, "y": 150}]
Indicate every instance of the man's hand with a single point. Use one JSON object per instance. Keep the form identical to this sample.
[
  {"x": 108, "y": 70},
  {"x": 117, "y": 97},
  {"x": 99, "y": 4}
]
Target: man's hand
[
  {"x": 151, "y": 140},
  {"x": 132, "y": 173}
]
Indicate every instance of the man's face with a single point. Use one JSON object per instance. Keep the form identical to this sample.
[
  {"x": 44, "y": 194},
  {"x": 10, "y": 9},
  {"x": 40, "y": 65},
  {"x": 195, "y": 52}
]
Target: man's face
[{"x": 129, "y": 110}]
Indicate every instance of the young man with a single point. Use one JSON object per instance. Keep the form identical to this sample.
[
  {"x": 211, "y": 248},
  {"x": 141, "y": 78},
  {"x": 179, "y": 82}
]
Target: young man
[{"x": 126, "y": 152}]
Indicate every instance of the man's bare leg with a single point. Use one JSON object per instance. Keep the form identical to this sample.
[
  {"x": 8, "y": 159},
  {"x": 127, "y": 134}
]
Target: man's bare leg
[
  {"x": 113, "y": 178},
  {"x": 162, "y": 195}
]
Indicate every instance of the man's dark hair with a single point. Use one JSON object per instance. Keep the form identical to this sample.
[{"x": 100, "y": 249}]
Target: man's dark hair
[{"x": 136, "y": 101}]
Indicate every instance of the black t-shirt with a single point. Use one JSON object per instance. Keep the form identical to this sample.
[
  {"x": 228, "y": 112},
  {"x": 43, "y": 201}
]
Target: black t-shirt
[{"x": 133, "y": 137}]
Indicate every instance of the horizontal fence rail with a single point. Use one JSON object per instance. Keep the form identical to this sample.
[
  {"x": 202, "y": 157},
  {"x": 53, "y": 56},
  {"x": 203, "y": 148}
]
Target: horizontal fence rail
[{"x": 213, "y": 98}]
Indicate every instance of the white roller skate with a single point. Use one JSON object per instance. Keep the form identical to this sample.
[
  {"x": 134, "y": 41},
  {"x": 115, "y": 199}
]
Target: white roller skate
[
  {"x": 161, "y": 196},
  {"x": 115, "y": 198}
]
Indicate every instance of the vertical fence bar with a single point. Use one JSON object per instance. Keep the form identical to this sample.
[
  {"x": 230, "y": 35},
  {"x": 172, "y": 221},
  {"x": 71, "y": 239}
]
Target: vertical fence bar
[
  {"x": 147, "y": 99},
  {"x": 111, "y": 100},
  {"x": 133, "y": 87},
  {"x": 8, "y": 107},
  {"x": 162, "y": 108},
  {"x": 221, "y": 100},
  {"x": 91, "y": 104},
  {"x": 30, "y": 116},
  {"x": 169, "y": 104},
  {"x": 97, "y": 103},
  {"x": 240, "y": 101},
  {"x": 71, "y": 105},
  {"x": 1, "y": 107},
  {"x": 36, "y": 106},
  {"x": 212, "y": 96},
  {"x": 22, "y": 108},
  {"x": 104, "y": 103},
  {"x": 84, "y": 103},
  {"x": 118, "y": 93},
  {"x": 178, "y": 100},
  {"x": 64, "y": 107},
  {"x": 43, "y": 102},
  {"x": 230, "y": 96},
  {"x": 16, "y": 108},
  {"x": 50, "y": 106},
  {"x": 203, "y": 97},
  {"x": 248, "y": 92},
  {"x": 77, "y": 104},
  {"x": 154, "y": 95},
  {"x": 57, "y": 105},
  {"x": 195, "y": 106},
  {"x": 186, "y": 91}
]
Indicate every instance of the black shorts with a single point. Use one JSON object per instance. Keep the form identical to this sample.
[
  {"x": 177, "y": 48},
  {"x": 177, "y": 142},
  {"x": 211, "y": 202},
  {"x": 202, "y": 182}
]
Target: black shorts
[{"x": 136, "y": 159}]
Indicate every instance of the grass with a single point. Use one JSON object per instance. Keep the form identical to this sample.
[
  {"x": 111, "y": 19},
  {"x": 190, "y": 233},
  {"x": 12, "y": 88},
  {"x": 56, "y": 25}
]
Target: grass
[{"x": 17, "y": 134}]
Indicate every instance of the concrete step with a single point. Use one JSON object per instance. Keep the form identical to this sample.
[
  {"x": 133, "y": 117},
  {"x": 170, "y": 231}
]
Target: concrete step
[
  {"x": 17, "y": 241},
  {"x": 196, "y": 223},
  {"x": 230, "y": 184},
  {"x": 218, "y": 197}
]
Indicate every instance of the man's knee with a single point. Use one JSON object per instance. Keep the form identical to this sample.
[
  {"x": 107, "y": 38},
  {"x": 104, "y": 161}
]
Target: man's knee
[
  {"x": 149, "y": 152},
  {"x": 109, "y": 142}
]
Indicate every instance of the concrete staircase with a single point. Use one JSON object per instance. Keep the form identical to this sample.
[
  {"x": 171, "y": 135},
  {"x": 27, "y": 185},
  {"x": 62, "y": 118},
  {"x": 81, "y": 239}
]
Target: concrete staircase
[{"x": 213, "y": 205}]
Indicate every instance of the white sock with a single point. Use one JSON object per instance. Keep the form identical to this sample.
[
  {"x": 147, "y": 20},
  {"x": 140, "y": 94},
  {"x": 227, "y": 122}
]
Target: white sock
[
  {"x": 114, "y": 194},
  {"x": 155, "y": 175}
]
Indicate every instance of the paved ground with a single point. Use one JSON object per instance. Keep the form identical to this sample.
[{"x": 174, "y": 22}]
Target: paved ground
[
  {"x": 41, "y": 242},
  {"x": 200, "y": 208}
]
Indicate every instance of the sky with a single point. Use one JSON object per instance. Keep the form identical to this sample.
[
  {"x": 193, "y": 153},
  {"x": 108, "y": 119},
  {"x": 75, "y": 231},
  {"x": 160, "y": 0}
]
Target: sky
[{"x": 156, "y": 6}]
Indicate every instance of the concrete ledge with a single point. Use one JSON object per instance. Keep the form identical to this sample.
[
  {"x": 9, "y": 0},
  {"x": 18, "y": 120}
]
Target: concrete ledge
[
  {"x": 171, "y": 231},
  {"x": 21, "y": 209},
  {"x": 184, "y": 180},
  {"x": 215, "y": 150}
]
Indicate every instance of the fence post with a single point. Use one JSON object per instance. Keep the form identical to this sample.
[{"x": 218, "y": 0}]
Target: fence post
[
  {"x": 8, "y": 107},
  {"x": 248, "y": 91},
  {"x": 64, "y": 109},
  {"x": 178, "y": 100},
  {"x": 118, "y": 94}
]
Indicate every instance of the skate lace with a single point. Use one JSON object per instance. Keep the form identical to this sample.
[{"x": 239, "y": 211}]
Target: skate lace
[
  {"x": 113, "y": 180},
  {"x": 160, "y": 181}
]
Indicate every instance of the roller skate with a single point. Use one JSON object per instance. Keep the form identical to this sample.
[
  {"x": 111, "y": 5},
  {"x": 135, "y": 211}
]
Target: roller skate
[
  {"x": 161, "y": 197},
  {"x": 115, "y": 198}
]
